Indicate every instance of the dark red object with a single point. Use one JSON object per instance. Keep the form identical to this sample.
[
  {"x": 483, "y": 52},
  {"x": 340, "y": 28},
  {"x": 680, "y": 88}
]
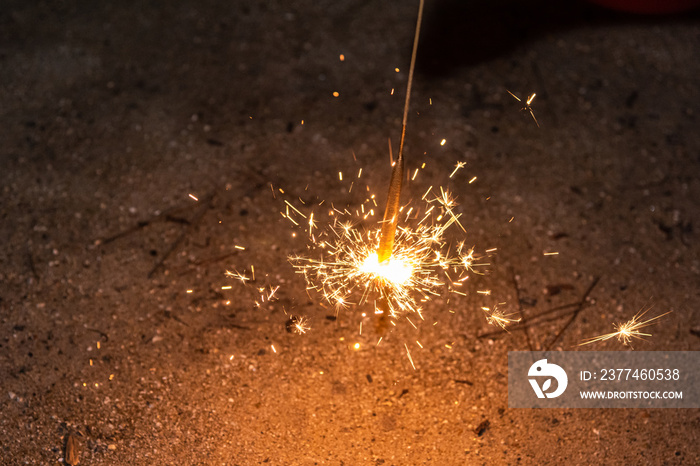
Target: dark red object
[{"x": 649, "y": 6}]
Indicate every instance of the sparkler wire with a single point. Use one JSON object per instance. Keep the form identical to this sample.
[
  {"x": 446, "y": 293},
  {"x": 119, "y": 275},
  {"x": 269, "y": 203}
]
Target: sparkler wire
[{"x": 391, "y": 213}]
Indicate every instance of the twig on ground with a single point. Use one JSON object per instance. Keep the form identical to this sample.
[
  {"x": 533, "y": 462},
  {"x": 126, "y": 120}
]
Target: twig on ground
[
  {"x": 539, "y": 319},
  {"x": 523, "y": 319},
  {"x": 205, "y": 205},
  {"x": 579, "y": 308},
  {"x": 165, "y": 216}
]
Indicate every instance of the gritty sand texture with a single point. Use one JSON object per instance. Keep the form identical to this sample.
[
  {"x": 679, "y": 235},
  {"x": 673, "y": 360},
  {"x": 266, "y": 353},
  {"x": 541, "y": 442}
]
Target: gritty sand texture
[{"x": 112, "y": 113}]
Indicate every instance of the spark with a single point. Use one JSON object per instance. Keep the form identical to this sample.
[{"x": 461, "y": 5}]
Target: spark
[
  {"x": 527, "y": 106},
  {"x": 498, "y": 318},
  {"x": 193, "y": 197},
  {"x": 624, "y": 332},
  {"x": 271, "y": 292},
  {"x": 312, "y": 224},
  {"x": 442, "y": 143},
  {"x": 457, "y": 167},
  {"x": 298, "y": 325},
  {"x": 408, "y": 353},
  {"x": 335, "y": 94},
  {"x": 301, "y": 326},
  {"x": 237, "y": 275},
  {"x": 297, "y": 210},
  {"x": 266, "y": 293}
]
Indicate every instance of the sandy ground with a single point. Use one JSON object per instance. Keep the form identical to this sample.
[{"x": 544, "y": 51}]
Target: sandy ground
[{"x": 112, "y": 113}]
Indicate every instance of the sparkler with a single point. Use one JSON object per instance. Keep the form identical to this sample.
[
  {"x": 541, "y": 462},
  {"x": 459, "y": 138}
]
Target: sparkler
[
  {"x": 393, "y": 201},
  {"x": 627, "y": 330},
  {"x": 397, "y": 267},
  {"x": 422, "y": 262}
]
